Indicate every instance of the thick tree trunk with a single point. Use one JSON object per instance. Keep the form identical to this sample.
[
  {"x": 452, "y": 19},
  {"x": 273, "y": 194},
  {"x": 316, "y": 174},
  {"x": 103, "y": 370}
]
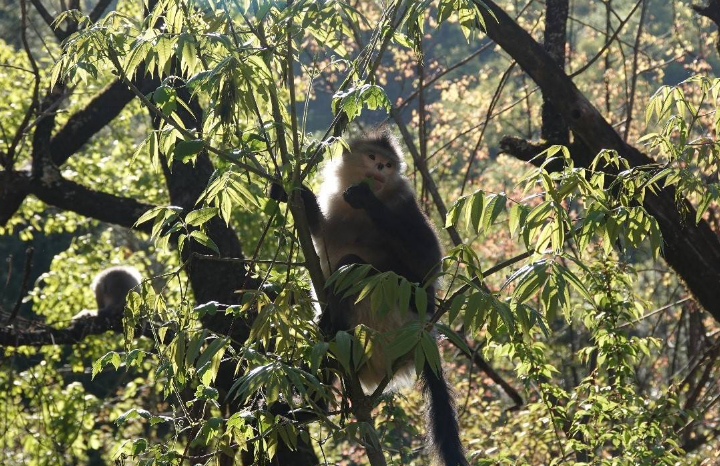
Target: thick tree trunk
[
  {"x": 219, "y": 280},
  {"x": 554, "y": 128}
]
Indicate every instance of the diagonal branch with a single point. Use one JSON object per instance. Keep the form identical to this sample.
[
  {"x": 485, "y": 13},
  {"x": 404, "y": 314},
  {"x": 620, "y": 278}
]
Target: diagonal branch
[
  {"x": 44, "y": 14},
  {"x": 69, "y": 195},
  {"x": 101, "y": 110}
]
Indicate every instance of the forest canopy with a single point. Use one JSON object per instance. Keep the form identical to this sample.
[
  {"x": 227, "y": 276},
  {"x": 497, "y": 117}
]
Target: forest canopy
[{"x": 566, "y": 153}]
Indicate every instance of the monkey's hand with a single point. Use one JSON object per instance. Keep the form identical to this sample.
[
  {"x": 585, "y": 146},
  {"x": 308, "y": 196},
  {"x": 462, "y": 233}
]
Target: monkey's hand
[
  {"x": 358, "y": 195},
  {"x": 278, "y": 193}
]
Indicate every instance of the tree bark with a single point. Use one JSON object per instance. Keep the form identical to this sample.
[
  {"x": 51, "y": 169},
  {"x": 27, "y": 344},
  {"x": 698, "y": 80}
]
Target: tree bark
[{"x": 554, "y": 128}]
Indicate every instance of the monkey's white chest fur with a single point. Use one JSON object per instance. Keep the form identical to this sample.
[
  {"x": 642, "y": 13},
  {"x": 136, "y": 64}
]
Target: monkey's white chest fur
[{"x": 349, "y": 231}]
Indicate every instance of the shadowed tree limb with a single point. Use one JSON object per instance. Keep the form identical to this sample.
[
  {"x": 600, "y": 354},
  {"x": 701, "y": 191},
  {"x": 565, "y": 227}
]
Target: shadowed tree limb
[
  {"x": 68, "y": 195},
  {"x": 554, "y": 127},
  {"x": 710, "y": 11}
]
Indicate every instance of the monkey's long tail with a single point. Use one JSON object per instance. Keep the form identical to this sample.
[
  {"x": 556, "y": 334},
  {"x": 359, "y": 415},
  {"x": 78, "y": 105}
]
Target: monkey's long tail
[{"x": 442, "y": 420}]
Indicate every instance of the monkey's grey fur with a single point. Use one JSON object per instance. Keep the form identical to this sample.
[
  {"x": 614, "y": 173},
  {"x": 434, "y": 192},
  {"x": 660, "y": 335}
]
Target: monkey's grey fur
[{"x": 112, "y": 285}]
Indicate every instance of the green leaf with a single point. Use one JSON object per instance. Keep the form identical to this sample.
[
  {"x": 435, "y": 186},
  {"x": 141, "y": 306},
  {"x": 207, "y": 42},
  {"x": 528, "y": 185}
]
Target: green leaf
[
  {"x": 492, "y": 210},
  {"x": 404, "y": 295},
  {"x": 421, "y": 302},
  {"x": 455, "y": 307},
  {"x": 343, "y": 343},
  {"x": 454, "y": 213},
  {"x": 193, "y": 348},
  {"x": 454, "y": 337},
  {"x": 200, "y": 216},
  {"x": 476, "y": 210},
  {"x": 185, "y": 150},
  {"x": 131, "y": 414},
  {"x": 210, "y": 307},
  {"x": 149, "y": 215},
  {"x": 111, "y": 357},
  {"x": 316, "y": 354},
  {"x": 430, "y": 350},
  {"x": 206, "y": 363},
  {"x": 529, "y": 280},
  {"x": 138, "y": 446},
  {"x": 367, "y": 95},
  {"x": 203, "y": 239}
]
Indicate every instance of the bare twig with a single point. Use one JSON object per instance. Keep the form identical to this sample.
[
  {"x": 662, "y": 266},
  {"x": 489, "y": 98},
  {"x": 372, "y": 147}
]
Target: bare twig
[
  {"x": 491, "y": 107},
  {"x": 10, "y": 156},
  {"x": 634, "y": 75},
  {"x": 656, "y": 311},
  {"x": 608, "y": 43},
  {"x": 442, "y": 73}
]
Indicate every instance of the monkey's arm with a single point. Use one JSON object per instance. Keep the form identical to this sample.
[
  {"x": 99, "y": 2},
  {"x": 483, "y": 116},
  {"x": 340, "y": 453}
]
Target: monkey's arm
[
  {"x": 312, "y": 208},
  {"x": 414, "y": 240}
]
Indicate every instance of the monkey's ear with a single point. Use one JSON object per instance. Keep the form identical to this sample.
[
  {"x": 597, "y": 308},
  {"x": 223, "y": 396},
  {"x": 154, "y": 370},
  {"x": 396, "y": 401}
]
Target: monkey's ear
[{"x": 277, "y": 192}]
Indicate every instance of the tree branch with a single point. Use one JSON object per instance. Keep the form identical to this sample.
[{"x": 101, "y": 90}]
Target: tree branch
[
  {"x": 711, "y": 11},
  {"x": 99, "y": 9},
  {"x": 47, "y": 17},
  {"x": 108, "y": 319},
  {"x": 68, "y": 195},
  {"x": 555, "y": 38},
  {"x": 87, "y": 122}
]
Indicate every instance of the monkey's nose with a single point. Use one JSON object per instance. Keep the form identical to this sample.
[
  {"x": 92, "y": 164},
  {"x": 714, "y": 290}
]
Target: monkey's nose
[{"x": 380, "y": 166}]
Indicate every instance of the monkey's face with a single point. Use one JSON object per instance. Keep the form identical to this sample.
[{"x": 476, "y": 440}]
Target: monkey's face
[{"x": 381, "y": 169}]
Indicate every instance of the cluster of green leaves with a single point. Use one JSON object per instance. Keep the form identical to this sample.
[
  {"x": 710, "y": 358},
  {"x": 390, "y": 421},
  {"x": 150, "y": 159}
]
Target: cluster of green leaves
[
  {"x": 573, "y": 205},
  {"x": 605, "y": 419},
  {"x": 574, "y": 221},
  {"x": 688, "y": 156}
]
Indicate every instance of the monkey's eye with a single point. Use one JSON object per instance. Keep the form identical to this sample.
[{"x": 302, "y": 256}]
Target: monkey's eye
[
  {"x": 372, "y": 156},
  {"x": 388, "y": 165}
]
